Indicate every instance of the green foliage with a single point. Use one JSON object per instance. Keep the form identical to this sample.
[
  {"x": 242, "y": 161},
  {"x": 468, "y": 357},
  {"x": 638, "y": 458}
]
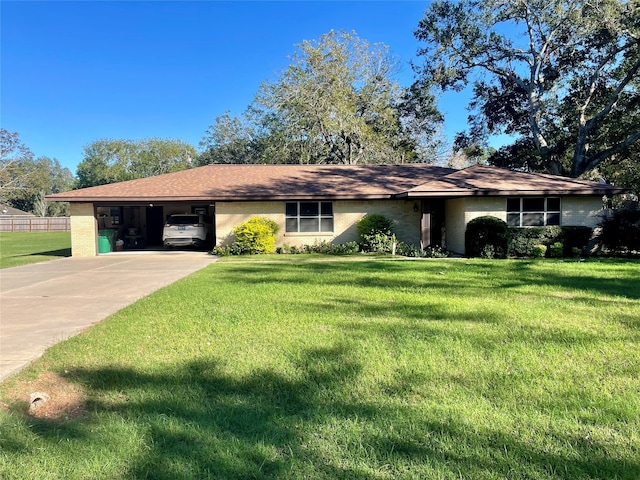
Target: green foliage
[
  {"x": 110, "y": 161},
  {"x": 567, "y": 110},
  {"x": 523, "y": 241},
  {"x": 24, "y": 181},
  {"x": 256, "y": 235},
  {"x": 374, "y": 223},
  {"x": 556, "y": 250},
  {"x": 621, "y": 231},
  {"x": 487, "y": 237},
  {"x": 337, "y": 103},
  {"x": 378, "y": 242},
  {"x": 407, "y": 250},
  {"x": 325, "y": 248},
  {"x": 539, "y": 251},
  {"x": 375, "y": 233}
]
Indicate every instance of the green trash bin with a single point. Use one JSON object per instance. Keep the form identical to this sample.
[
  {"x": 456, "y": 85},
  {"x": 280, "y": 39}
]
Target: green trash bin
[
  {"x": 104, "y": 246},
  {"x": 107, "y": 240}
]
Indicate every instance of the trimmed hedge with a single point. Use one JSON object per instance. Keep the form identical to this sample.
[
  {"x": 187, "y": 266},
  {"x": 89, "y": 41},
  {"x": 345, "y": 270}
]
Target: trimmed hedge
[
  {"x": 487, "y": 237},
  {"x": 256, "y": 235},
  {"x": 525, "y": 241},
  {"x": 621, "y": 231}
]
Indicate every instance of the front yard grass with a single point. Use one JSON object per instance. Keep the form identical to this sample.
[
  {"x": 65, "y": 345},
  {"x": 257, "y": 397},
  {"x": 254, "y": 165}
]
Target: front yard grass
[
  {"x": 375, "y": 369},
  {"x": 22, "y": 248}
]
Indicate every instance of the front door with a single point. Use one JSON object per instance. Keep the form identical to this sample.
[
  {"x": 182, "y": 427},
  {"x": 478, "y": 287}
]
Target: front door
[{"x": 432, "y": 226}]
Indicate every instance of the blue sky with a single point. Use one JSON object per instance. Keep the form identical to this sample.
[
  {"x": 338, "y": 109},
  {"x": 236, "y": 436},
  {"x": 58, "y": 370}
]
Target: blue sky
[{"x": 75, "y": 72}]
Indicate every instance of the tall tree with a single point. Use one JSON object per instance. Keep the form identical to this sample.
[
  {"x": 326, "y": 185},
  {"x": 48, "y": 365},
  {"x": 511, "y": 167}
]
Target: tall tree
[
  {"x": 337, "y": 102},
  {"x": 24, "y": 181},
  {"x": 15, "y": 165},
  {"x": 109, "y": 161},
  {"x": 561, "y": 76}
]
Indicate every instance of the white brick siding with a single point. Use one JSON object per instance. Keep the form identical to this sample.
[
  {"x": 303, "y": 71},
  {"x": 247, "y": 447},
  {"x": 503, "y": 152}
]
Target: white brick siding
[
  {"x": 84, "y": 234},
  {"x": 345, "y": 216}
]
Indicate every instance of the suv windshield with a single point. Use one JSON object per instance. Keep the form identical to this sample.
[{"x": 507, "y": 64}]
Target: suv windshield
[{"x": 183, "y": 220}]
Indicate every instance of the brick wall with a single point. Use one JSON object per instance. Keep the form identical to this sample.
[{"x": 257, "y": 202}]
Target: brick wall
[
  {"x": 576, "y": 211},
  {"x": 84, "y": 237},
  {"x": 582, "y": 211},
  {"x": 345, "y": 215}
]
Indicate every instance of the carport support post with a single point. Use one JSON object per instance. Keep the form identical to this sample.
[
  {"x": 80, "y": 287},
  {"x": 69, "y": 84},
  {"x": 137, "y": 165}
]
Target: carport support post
[{"x": 84, "y": 230}]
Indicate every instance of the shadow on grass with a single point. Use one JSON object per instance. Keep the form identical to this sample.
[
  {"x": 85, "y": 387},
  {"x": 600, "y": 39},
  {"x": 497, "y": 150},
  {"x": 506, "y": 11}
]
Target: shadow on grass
[
  {"x": 197, "y": 421},
  {"x": 62, "y": 252}
]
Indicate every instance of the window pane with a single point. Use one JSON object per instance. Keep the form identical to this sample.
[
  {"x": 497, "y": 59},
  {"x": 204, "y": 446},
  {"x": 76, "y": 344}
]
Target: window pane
[
  {"x": 533, "y": 204},
  {"x": 309, "y": 225},
  {"x": 513, "y": 219},
  {"x": 326, "y": 225},
  {"x": 327, "y": 208},
  {"x": 532, "y": 219},
  {"x": 553, "y": 219},
  {"x": 291, "y": 225},
  {"x": 513, "y": 204},
  {"x": 309, "y": 209},
  {"x": 291, "y": 209},
  {"x": 553, "y": 204}
]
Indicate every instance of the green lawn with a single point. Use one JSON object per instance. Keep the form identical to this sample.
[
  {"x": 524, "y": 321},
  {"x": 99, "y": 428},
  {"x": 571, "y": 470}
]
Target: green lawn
[
  {"x": 21, "y": 248},
  {"x": 334, "y": 368}
]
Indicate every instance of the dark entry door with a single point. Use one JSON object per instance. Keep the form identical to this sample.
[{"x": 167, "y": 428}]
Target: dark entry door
[
  {"x": 155, "y": 223},
  {"x": 432, "y": 223}
]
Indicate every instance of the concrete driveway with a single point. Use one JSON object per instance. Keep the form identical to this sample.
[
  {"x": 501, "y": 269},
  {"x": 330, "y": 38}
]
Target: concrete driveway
[{"x": 44, "y": 303}]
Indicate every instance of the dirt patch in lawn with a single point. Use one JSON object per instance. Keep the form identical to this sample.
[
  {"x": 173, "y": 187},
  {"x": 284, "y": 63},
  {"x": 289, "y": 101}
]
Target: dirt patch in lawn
[{"x": 50, "y": 396}]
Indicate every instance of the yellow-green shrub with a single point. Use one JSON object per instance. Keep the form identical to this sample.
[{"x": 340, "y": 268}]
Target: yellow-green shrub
[{"x": 256, "y": 235}]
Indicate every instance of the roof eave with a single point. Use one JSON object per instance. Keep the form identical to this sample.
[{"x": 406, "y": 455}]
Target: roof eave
[
  {"x": 214, "y": 198},
  {"x": 503, "y": 193}
]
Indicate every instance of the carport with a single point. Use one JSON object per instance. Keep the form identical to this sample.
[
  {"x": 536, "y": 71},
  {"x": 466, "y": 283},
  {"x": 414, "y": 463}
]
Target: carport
[{"x": 133, "y": 226}]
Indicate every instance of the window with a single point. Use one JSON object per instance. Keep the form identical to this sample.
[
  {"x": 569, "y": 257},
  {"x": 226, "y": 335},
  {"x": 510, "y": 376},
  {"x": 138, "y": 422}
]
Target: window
[
  {"x": 309, "y": 217},
  {"x": 533, "y": 211},
  {"x": 114, "y": 214}
]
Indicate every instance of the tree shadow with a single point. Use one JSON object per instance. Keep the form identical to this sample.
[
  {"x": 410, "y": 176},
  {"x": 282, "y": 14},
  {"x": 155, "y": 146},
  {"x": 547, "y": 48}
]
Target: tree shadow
[{"x": 198, "y": 421}]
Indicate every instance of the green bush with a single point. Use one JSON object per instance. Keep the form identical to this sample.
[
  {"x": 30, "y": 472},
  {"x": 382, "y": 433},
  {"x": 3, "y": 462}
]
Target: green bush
[
  {"x": 539, "y": 251},
  {"x": 374, "y": 223},
  {"x": 556, "y": 250},
  {"x": 379, "y": 242},
  {"x": 256, "y": 235},
  {"x": 523, "y": 241},
  {"x": 621, "y": 231},
  {"x": 326, "y": 248},
  {"x": 487, "y": 237}
]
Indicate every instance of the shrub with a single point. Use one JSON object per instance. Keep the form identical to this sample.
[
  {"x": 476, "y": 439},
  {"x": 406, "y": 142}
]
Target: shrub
[
  {"x": 539, "y": 251},
  {"x": 435, "y": 252},
  {"x": 256, "y": 235},
  {"x": 556, "y": 250},
  {"x": 379, "y": 242},
  {"x": 523, "y": 241},
  {"x": 374, "y": 223},
  {"x": 621, "y": 231},
  {"x": 326, "y": 248},
  {"x": 487, "y": 237},
  {"x": 407, "y": 250}
]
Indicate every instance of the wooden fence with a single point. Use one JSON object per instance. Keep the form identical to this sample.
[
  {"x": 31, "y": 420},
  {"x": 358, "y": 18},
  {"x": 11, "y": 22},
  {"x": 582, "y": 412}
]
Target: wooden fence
[{"x": 35, "y": 224}]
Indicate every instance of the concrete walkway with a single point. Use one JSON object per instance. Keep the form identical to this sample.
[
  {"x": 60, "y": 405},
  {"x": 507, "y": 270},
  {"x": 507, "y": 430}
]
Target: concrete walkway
[{"x": 44, "y": 303}]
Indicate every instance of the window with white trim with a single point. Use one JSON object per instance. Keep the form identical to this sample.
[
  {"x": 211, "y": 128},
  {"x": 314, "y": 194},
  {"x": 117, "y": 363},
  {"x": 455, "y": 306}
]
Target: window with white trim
[
  {"x": 306, "y": 217},
  {"x": 533, "y": 211}
]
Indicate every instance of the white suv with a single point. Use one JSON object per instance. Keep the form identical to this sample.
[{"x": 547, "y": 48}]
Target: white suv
[{"x": 186, "y": 229}]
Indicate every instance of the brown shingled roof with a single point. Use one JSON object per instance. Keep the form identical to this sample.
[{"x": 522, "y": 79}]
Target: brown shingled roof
[
  {"x": 486, "y": 180},
  {"x": 264, "y": 182},
  {"x": 278, "y": 182}
]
